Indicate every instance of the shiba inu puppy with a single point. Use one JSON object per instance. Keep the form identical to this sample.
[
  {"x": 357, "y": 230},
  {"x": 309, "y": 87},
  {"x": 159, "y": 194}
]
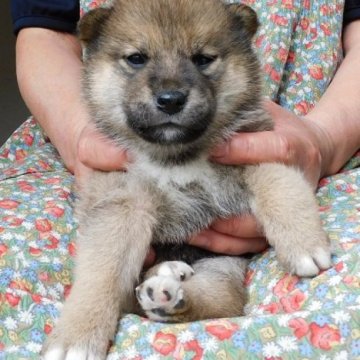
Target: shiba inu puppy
[{"x": 169, "y": 80}]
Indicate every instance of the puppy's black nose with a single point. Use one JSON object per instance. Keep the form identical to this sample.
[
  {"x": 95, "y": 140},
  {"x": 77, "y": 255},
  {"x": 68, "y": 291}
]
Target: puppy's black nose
[{"x": 171, "y": 102}]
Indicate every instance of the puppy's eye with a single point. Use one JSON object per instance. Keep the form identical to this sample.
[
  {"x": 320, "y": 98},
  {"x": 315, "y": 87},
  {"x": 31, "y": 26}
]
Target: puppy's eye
[
  {"x": 202, "y": 61},
  {"x": 137, "y": 60}
]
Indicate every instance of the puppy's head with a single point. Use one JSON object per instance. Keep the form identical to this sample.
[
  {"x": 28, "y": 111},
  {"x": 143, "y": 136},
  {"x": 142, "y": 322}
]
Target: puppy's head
[{"x": 170, "y": 76}]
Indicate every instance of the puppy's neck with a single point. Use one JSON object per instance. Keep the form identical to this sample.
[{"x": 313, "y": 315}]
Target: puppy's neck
[
  {"x": 176, "y": 159},
  {"x": 170, "y": 155},
  {"x": 197, "y": 170}
]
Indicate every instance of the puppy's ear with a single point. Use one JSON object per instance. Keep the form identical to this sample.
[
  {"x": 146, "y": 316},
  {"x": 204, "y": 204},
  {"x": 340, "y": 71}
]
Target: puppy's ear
[
  {"x": 245, "y": 16},
  {"x": 90, "y": 25}
]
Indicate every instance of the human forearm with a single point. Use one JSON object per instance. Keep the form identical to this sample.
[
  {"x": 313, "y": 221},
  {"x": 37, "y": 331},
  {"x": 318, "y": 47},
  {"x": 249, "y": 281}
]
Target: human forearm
[
  {"x": 48, "y": 71},
  {"x": 338, "y": 112}
]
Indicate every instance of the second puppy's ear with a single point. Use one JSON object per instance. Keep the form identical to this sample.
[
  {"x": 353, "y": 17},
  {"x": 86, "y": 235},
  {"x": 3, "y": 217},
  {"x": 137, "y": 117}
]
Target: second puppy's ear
[
  {"x": 90, "y": 25},
  {"x": 246, "y": 17}
]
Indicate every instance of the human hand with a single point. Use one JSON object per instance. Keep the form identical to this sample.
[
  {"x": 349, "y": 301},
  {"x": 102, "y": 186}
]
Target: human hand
[
  {"x": 294, "y": 141},
  {"x": 96, "y": 152},
  {"x": 297, "y": 142},
  {"x": 233, "y": 236}
]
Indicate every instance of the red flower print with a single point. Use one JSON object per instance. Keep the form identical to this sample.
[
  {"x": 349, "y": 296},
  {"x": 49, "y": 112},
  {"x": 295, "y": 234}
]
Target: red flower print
[
  {"x": 164, "y": 343},
  {"x": 316, "y": 72},
  {"x": 194, "y": 346},
  {"x": 324, "y": 337},
  {"x": 339, "y": 266},
  {"x": 36, "y": 298},
  {"x": 298, "y": 77},
  {"x": 72, "y": 249},
  {"x": 313, "y": 32},
  {"x": 282, "y": 54},
  {"x": 28, "y": 139},
  {"x": 275, "y": 75},
  {"x": 44, "y": 165},
  {"x": 259, "y": 40},
  {"x": 34, "y": 251},
  {"x": 324, "y": 182},
  {"x": 299, "y": 326},
  {"x": 67, "y": 289},
  {"x": 9, "y": 204},
  {"x": 52, "y": 181},
  {"x": 293, "y": 302},
  {"x": 326, "y": 29},
  {"x": 5, "y": 153},
  {"x": 25, "y": 186},
  {"x": 47, "y": 329},
  {"x": 53, "y": 243},
  {"x": 302, "y": 107},
  {"x": 272, "y": 308},
  {"x": 20, "y": 154},
  {"x": 324, "y": 208},
  {"x": 3, "y": 249},
  {"x": 52, "y": 208},
  {"x": 348, "y": 280},
  {"x": 222, "y": 329},
  {"x": 288, "y": 4},
  {"x": 248, "y": 277},
  {"x": 62, "y": 194},
  {"x": 309, "y": 45},
  {"x": 325, "y": 9},
  {"x": 291, "y": 57},
  {"x": 43, "y": 225},
  {"x": 304, "y": 23},
  {"x": 12, "y": 299},
  {"x": 13, "y": 220},
  {"x": 279, "y": 20},
  {"x": 44, "y": 276},
  {"x": 56, "y": 211},
  {"x": 285, "y": 285}
]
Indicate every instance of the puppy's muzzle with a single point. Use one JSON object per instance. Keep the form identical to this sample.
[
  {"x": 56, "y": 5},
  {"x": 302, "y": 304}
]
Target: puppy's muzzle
[{"x": 171, "y": 101}]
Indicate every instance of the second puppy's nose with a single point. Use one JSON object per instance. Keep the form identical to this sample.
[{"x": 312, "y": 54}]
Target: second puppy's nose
[{"x": 171, "y": 102}]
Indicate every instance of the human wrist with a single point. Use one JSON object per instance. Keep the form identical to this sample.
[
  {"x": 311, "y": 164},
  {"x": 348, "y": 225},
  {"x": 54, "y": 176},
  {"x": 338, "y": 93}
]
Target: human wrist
[
  {"x": 325, "y": 143},
  {"x": 65, "y": 137}
]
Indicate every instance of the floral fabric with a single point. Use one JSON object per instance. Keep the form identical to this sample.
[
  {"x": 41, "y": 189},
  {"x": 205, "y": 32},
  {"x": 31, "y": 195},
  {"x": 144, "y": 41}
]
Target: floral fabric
[{"x": 286, "y": 317}]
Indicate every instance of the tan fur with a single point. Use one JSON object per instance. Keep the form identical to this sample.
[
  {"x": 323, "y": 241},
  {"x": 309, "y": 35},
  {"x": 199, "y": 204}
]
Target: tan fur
[{"x": 170, "y": 190}]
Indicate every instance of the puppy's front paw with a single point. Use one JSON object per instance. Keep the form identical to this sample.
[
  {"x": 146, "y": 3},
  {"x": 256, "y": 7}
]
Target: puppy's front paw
[
  {"x": 162, "y": 298},
  {"x": 74, "y": 353},
  {"x": 310, "y": 264},
  {"x": 66, "y": 344}
]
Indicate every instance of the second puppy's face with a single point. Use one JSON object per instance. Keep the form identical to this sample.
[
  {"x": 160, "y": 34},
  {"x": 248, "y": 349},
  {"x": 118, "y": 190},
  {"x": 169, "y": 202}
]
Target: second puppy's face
[{"x": 169, "y": 72}]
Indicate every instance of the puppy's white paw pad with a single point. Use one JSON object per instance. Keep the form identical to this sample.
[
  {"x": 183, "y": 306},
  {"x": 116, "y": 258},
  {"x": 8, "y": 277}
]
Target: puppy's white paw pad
[
  {"x": 322, "y": 258},
  {"x": 54, "y": 353},
  {"x": 73, "y": 353},
  {"x": 305, "y": 266},
  {"x": 78, "y": 354},
  {"x": 176, "y": 269}
]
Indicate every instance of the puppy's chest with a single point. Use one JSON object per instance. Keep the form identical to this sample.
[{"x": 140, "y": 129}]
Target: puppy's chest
[
  {"x": 182, "y": 183},
  {"x": 193, "y": 196}
]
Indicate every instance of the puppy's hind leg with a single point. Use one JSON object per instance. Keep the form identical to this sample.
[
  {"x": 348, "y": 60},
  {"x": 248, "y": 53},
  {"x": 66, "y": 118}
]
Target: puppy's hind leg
[
  {"x": 285, "y": 206},
  {"x": 114, "y": 238},
  {"x": 213, "y": 290}
]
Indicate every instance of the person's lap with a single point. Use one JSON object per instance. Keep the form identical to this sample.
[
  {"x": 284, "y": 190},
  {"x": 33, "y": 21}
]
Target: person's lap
[{"x": 285, "y": 315}]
